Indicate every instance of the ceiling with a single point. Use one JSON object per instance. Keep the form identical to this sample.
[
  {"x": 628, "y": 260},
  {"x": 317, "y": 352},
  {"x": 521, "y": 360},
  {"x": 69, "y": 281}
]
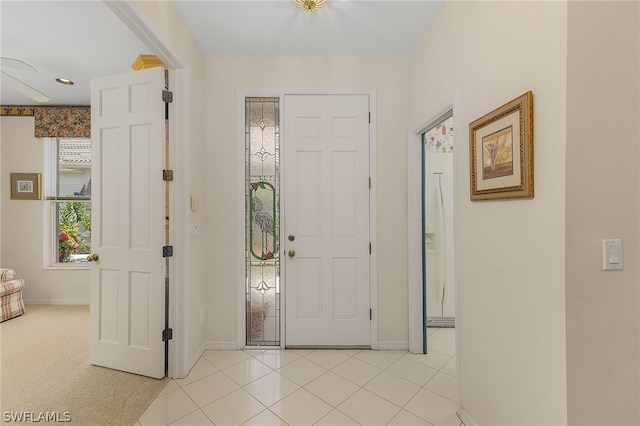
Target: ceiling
[
  {"x": 81, "y": 40},
  {"x": 78, "y": 40}
]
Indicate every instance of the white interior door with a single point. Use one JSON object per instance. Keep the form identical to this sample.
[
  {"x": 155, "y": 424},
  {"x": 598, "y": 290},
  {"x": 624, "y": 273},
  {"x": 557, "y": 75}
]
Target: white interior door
[
  {"x": 326, "y": 229},
  {"x": 127, "y": 281}
]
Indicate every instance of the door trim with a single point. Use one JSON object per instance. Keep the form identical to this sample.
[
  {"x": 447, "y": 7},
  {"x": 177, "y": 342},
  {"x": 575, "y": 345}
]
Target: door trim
[
  {"x": 150, "y": 34},
  {"x": 414, "y": 223},
  {"x": 241, "y": 94}
]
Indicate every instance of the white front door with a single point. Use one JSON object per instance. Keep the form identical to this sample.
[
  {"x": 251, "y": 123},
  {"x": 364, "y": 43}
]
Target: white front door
[
  {"x": 128, "y": 225},
  {"x": 326, "y": 229}
]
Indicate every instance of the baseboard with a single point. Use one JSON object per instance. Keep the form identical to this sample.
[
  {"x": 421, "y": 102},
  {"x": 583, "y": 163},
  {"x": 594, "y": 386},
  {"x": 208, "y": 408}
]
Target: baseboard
[
  {"x": 211, "y": 345},
  {"x": 401, "y": 345},
  {"x": 56, "y": 301},
  {"x": 221, "y": 345},
  {"x": 383, "y": 346},
  {"x": 465, "y": 417},
  {"x": 194, "y": 360}
]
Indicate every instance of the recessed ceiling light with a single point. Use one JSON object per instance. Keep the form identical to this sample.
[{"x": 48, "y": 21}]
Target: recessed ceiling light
[{"x": 64, "y": 81}]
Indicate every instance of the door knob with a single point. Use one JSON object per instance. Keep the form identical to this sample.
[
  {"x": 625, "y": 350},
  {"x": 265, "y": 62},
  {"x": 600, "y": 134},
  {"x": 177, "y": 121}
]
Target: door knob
[
  {"x": 292, "y": 253},
  {"x": 93, "y": 257}
]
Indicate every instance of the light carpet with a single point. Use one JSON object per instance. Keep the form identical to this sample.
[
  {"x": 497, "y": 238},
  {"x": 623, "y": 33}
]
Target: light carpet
[{"x": 45, "y": 371}]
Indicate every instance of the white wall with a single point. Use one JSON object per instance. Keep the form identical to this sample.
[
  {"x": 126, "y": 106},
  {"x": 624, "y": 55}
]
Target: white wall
[
  {"x": 603, "y": 184},
  {"x": 23, "y": 221},
  {"x": 510, "y": 254},
  {"x": 390, "y": 78}
]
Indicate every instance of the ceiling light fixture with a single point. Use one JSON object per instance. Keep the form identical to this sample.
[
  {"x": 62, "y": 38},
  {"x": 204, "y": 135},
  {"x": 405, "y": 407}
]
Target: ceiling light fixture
[
  {"x": 309, "y": 5},
  {"x": 65, "y": 81}
]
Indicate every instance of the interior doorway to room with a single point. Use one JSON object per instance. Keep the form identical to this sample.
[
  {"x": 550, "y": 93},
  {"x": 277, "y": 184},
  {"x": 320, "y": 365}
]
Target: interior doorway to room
[
  {"x": 308, "y": 235},
  {"x": 437, "y": 224}
]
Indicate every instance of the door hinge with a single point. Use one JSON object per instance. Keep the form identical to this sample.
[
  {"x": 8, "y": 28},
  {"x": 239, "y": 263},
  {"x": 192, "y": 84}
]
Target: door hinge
[
  {"x": 369, "y": 118},
  {"x": 370, "y": 314},
  {"x": 369, "y": 183},
  {"x": 167, "y": 334},
  {"x": 167, "y": 251},
  {"x": 369, "y": 248},
  {"x": 167, "y": 96},
  {"x": 167, "y": 175}
]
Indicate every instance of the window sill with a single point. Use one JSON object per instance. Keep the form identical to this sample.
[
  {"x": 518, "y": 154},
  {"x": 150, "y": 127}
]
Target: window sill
[{"x": 68, "y": 267}]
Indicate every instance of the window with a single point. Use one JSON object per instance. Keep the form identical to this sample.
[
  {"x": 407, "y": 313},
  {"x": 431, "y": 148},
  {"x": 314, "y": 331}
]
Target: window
[
  {"x": 68, "y": 191},
  {"x": 262, "y": 193}
]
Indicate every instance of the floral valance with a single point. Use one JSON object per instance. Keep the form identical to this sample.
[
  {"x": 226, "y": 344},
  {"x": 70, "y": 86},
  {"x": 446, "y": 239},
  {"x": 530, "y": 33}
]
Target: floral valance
[{"x": 62, "y": 122}]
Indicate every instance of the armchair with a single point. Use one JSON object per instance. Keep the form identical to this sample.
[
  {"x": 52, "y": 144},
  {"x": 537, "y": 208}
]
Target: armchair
[{"x": 11, "y": 303}]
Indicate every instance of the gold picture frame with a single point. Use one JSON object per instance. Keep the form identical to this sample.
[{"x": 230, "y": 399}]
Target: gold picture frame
[
  {"x": 501, "y": 152},
  {"x": 26, "y": 186}
]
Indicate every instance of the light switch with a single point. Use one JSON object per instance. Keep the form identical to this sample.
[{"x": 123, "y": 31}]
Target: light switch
[{"x": 612, "y": 255}]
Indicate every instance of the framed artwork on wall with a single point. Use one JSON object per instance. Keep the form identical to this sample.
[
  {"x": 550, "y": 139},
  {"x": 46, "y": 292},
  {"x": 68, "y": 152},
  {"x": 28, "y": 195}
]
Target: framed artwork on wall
[
  {"x": 25, "y": 186},
  {"x": 501, "y": 152}
]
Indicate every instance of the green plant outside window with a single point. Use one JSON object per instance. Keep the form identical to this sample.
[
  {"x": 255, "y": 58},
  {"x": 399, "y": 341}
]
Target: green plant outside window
[{"x": 74, "y": 229}]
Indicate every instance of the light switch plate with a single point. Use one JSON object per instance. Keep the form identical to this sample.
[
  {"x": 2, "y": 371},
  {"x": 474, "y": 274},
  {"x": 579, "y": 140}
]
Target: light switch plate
[{"x": 612, "y": 255}]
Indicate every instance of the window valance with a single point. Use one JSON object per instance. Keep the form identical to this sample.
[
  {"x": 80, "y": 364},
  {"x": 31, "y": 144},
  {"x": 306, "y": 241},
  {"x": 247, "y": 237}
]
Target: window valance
[{"x": 62, "y": 122}]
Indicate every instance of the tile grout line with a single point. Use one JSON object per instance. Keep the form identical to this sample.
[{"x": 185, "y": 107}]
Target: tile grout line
[{"x": 349, "y": 356}]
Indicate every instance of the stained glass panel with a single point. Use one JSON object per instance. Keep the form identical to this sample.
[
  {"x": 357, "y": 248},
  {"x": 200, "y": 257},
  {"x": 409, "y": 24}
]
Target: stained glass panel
[{"x": 262, "y": 221}]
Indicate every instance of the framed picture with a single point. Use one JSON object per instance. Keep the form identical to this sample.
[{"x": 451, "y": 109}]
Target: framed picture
[
  {"x": 501, "y": 152},
  {"x": 25, "y": 186}
]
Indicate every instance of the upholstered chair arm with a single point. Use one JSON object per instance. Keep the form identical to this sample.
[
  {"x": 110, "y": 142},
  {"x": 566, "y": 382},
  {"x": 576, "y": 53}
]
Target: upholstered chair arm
[
  {"x": 7, "y": 274},
  {"x": 10, "y": 287}
]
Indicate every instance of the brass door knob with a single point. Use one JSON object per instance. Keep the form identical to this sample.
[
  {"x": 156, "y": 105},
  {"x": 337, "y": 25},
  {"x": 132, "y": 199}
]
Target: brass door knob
[
  {"x": 292, "y": 253},
  {"x": 93, "y": 257}
]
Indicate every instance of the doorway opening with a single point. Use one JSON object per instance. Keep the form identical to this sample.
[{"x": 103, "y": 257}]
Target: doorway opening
[
  {"x": 262, "y": 256},
  {"x": 430, "y": 217},
  {"x": 437, "y": 223}
]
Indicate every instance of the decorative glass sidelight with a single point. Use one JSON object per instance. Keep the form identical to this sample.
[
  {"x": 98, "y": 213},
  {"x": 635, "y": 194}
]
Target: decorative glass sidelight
[{"x": 262, "y": 186}]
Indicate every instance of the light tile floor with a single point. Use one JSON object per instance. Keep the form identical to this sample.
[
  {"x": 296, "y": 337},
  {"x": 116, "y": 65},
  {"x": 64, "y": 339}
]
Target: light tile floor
[{"x": 314, "y": 387}]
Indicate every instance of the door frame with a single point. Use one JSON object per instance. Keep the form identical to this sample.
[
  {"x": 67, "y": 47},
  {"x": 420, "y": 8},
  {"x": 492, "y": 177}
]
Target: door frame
[
  {"x": 415, "y": 239},
  {"x": 241, "y": 94},
  {"x": 153, "y": 37}
]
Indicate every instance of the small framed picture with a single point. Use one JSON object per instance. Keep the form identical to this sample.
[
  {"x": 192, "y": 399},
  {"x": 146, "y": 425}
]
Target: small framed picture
[
  {"x": 25, "y": 186},
  {"x": 501, "y": 152}
]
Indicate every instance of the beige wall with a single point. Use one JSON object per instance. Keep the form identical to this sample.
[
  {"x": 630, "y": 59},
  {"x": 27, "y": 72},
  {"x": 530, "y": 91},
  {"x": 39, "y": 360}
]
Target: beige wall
[
  {"x": 23, "y": 221},
  {"x": 603, "y": 184},
  {"x": 509, "y": 254},
  {"x": 390, "y": 77}
]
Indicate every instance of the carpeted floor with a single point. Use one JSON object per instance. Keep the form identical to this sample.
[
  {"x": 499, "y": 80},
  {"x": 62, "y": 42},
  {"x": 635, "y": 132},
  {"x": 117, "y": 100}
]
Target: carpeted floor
[{"x": 45, "y": 373}]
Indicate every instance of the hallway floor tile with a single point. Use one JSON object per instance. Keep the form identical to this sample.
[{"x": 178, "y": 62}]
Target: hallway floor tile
[{"x": 314, "y": 387}]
